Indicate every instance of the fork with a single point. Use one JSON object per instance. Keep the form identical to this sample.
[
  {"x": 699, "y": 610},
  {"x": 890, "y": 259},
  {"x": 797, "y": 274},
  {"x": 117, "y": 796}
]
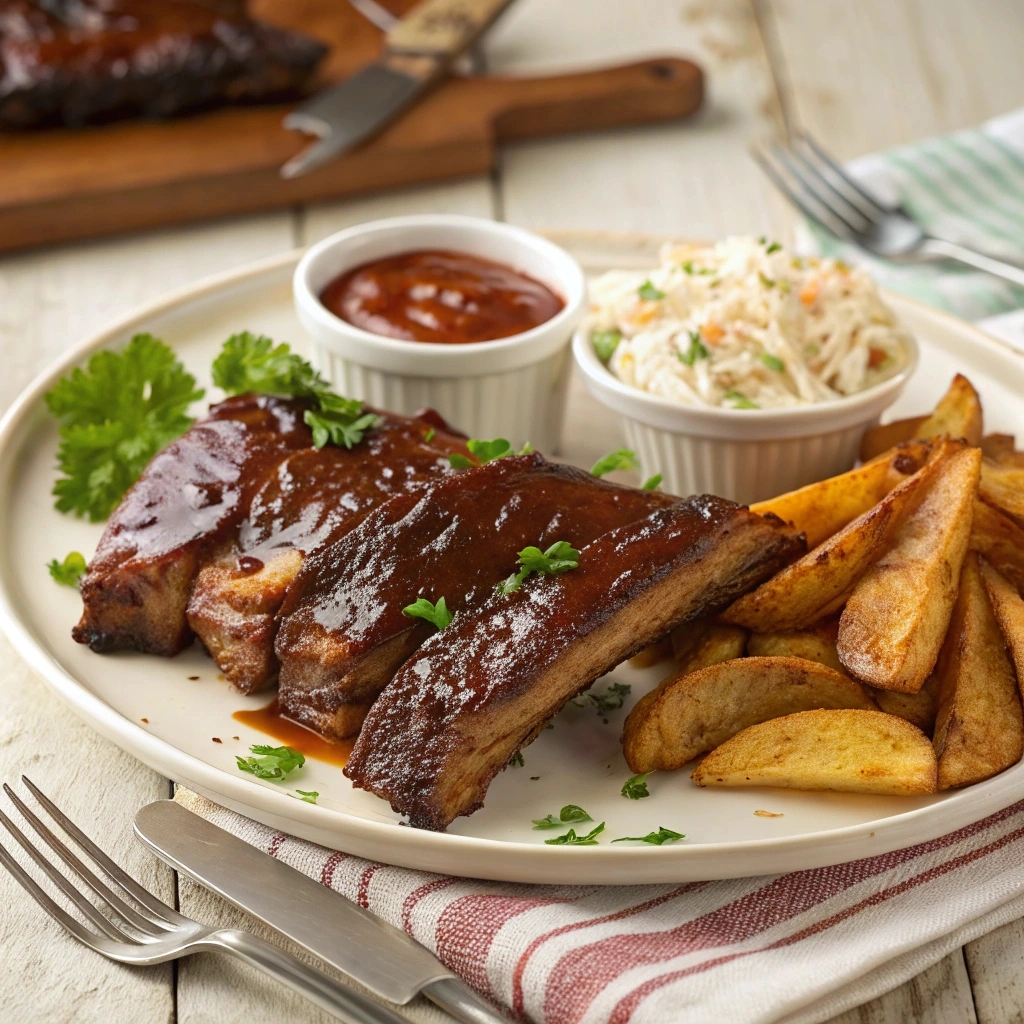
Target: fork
[
  {"x": 817, "y": 186},
  {"x": 144, "y": 929}
]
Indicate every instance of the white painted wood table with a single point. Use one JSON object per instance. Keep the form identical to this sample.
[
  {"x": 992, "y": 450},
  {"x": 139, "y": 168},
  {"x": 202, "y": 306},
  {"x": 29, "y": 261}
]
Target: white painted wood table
[{"x": 861, "y": 75}]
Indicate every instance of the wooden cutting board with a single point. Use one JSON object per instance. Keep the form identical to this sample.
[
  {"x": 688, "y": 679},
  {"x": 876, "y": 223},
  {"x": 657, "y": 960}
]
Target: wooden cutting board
[{"x": 60, "y": 185}]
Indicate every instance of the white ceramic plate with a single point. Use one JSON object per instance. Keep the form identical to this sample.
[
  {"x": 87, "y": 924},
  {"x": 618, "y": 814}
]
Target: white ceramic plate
[{"x": 579, "y": 761}]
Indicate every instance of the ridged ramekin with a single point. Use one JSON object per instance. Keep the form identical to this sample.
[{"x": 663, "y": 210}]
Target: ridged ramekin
[
  {"x": 512, "y": 387},
  {"x": 747, "y": 455}
]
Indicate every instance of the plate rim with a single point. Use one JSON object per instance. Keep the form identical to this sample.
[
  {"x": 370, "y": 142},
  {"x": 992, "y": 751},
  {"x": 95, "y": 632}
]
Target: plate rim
[{"x": 430, "y": 851}]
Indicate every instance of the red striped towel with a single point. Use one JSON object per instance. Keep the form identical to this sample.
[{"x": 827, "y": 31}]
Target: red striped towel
[{"x": 798, "y": 948}]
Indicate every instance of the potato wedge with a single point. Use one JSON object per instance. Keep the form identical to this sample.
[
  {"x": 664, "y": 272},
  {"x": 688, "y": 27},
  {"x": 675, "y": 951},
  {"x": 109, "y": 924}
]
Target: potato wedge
[
  {"x": 850, "y": 751},
  {"x": 979, "y": 730},
  {"x": 802, "y": 592},
  {"x": 917, "y": 708},
  {"x": 892, "y": 628},
  {"x": 706, "y": 642},
  {"x": 815, "y": 644},
  {"x": 879, "y": 440},
  {"x": 653, "y": 655},
  {"x": 1002, "y": 487},
  {"x": 1008, "y": 608},
  {"x": 1001, "y": 449},
  {"x": 1001, "y": 541},
  {"x": 822, "y": 509},
  {"x": 957, "y": 415},
  {"x": 690, "y": 714}
]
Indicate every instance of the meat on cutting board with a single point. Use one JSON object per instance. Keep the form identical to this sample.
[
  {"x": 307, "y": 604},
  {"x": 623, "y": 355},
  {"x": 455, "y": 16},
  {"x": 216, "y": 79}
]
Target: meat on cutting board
[
  {"x": 476, "y": 692},
  {"x": 79, "y": 62},
  {"x": 344, "y": 634}
]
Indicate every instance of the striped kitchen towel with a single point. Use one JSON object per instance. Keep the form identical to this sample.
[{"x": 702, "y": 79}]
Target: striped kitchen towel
[
  {"x": 798, "y": 948},
  {"x": 967, "y": 186}
]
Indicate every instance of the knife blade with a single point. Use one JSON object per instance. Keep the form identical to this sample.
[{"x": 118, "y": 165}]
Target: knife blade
[
  {"x": 379, "y": 956},
  {"x": 418, "y": 50}
]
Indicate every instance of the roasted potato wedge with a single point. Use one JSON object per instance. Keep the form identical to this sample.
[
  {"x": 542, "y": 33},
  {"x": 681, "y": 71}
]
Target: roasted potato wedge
[
  {"x": 851, "y": 751},
  {"x": 1008, "y": 608},
  {"x": 653, "y": 655},
  {"x": 892, "y": 628},
  {"x": 706, "y": 642},
  {"x": 822, "y": 509},
  {"x": 1001, "y": 541},
  {"x": 957, "y": 415},
  {"x": 1002, "y": 487},
  {"x": 805, "y": 591},
  {"x": 1001, "y": 449},
  {"x": 879, "y": 440},
  {"x": 917, "y": 708},
  {"x": 690, "y": 714},
  {"x": 815, "y": 644},
  {"x": 979, "y": 729}
]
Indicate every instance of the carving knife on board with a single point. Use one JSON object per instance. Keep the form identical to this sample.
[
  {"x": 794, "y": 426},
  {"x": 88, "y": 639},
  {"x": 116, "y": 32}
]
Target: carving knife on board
[
  {"x": 418, "y": 51},
  {"x": 384, "y": 959}
]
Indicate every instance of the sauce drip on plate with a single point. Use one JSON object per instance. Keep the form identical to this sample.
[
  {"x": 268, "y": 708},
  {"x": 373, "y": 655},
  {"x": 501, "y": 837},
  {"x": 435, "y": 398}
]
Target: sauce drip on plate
[
  {"x": 443, "y": 297},
  {"x": 290, "y": 734}
]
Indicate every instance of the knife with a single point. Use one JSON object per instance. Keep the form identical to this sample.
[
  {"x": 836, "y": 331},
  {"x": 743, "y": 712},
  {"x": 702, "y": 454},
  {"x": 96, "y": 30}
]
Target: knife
[
  {"x": 418, "y": 50},
  {"x": 379, "y": 956}
]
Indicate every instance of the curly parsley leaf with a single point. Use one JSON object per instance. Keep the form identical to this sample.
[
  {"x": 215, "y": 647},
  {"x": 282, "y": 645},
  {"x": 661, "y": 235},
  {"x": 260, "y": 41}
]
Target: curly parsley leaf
[
  {"x": 652, "y": 483},
  {"x": 568, "y": 815},
  {"x": 697, "y": 350},
  {"x": 605, "y": 343},
  {"x": 662, "y": 836},
  {"x": 114, "y": 416},
  {"x": 338, "y": 428},
  {"x": 611, "y": 700},
  {"x": 437, "y": 614},
  {"x": 621, "y": 458},
  {"x": 571, "y": 839},
  {"x": 649, "y": 292},
  {"x": 559, "y": 558},
  {"x": 70, "y": 571},
  {"x": 635, "y": 787},
  {"x": 272, "y": 763},
  {"x": 308, "y": 796}
]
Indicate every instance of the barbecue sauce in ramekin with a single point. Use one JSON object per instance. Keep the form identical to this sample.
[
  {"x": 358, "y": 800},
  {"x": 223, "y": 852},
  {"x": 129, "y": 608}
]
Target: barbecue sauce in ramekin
[{"x": 441, "y": 297}]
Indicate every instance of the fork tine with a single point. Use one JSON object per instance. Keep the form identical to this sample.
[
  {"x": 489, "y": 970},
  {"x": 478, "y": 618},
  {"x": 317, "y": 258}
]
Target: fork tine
[
  {"x": 120, "y": 877},
  {"x": 63, "y": 883},
  {"x": 122, "y": 909},
  {"x": 29, "y": 884},
  {"x": 871, "y": 205},
  {"x": 805, "y": 202},
  {"x": 811, "y": 179}
]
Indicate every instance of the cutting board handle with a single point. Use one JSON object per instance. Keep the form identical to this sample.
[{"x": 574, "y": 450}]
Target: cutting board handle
[{"x": 654, "y": 89}]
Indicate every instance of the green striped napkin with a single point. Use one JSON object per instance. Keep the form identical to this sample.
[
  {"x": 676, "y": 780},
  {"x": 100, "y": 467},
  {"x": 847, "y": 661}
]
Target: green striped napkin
[{"x": 967, "y": 186}]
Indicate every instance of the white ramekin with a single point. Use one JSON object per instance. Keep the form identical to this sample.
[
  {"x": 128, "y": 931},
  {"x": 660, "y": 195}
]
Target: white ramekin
[
  {"x": 743, "y": 454},
  {"x": 513, "y": 387}
]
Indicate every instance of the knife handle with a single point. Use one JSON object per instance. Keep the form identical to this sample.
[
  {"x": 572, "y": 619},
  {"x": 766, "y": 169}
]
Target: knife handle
[
  {"x": 443, "y": 28},
  {"x": 337, "y": 999}
]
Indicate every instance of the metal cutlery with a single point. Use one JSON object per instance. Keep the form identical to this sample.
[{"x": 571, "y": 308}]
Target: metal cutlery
[
  {"x": 825, "y": 193},
  {"x": 129, "y": 924}
]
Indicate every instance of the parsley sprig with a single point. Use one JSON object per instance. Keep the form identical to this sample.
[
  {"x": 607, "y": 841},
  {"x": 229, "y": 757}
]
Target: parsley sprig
[
  {"x": 740, "y": 400},
  {"x": 605, "y": 343},
  {"x": 437, "y": 614},
  {"x": 570, "y": 814},
  {"x": 604, "y": 703},
  {"x": 652, "y": 483},
  {"x": 486, "y": 451},
  {"x": 635, "y": 787},
  {"x": 114, "y": 416},
  {"x": 649, "y": 293},
  {"x": 308, "y": 796},
  {"x": 571, "y": 839},
  {"x": 559, "y": 558},
  {"x": 621, "y": 458},
  {"x": 697, "y": 350},
  {"x": 70, "y": 571},
  {"x": 659, "y": 838},
  {"x": 272, "y": 763}
]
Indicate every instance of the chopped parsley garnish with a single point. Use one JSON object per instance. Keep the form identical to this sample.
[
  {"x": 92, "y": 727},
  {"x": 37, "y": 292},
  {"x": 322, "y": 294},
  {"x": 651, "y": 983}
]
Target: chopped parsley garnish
[
  {"x": 249, "y": 362},
  {"x": 770, "y": 246},
  {"x": 436, "y": 614},
  {"x": 486, "y": 451},
  {"x": 517, "y": 760},
  {"x": 70, "y": 571},
  {"x": 571, "y": 839},
  {"x": 740, "y": 400},
  {"x": 635, "y": 787},
  {"x": 652, "y": 483},
  {"x": 621, "y": 458},
  {"x": 114, "y": 416},
  {"x": 272, "y": 763},
  {"x": 559, "y": 558},
  {"x": 649, "y": 292},
  {"x": 688, "y": 268},
  {"x": 772, "y": 362},
  {"x": 611, "y": 700},
  {"x": 766, "y": 281},
  {"x": 697, "y": 350},
  {"x": 429, "y": 435},
  {"x": 663, "y": 835},
  {"x": 308, "y": 796},
  {"x": 605, "y": 343},
  {"x": 568, "y": 815}
]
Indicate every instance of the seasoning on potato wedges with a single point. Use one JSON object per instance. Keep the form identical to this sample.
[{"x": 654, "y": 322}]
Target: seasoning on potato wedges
[
  {"x": 878, "y": 440},
  {"x": 958, "y": 414},
  {"x": 704, "y": 642},
  {"x": 917, "y": 708},
  {"x": 815, "y": 644},
  {"x": 690, "y": 714},
  {"x": 1001, "y": 541},
  {"x": 1002, "y": 487},
  {"x": 893, "y": 626},
  {"x": 1008, "y": 608},
  {"x": 850, "y": 751}
]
